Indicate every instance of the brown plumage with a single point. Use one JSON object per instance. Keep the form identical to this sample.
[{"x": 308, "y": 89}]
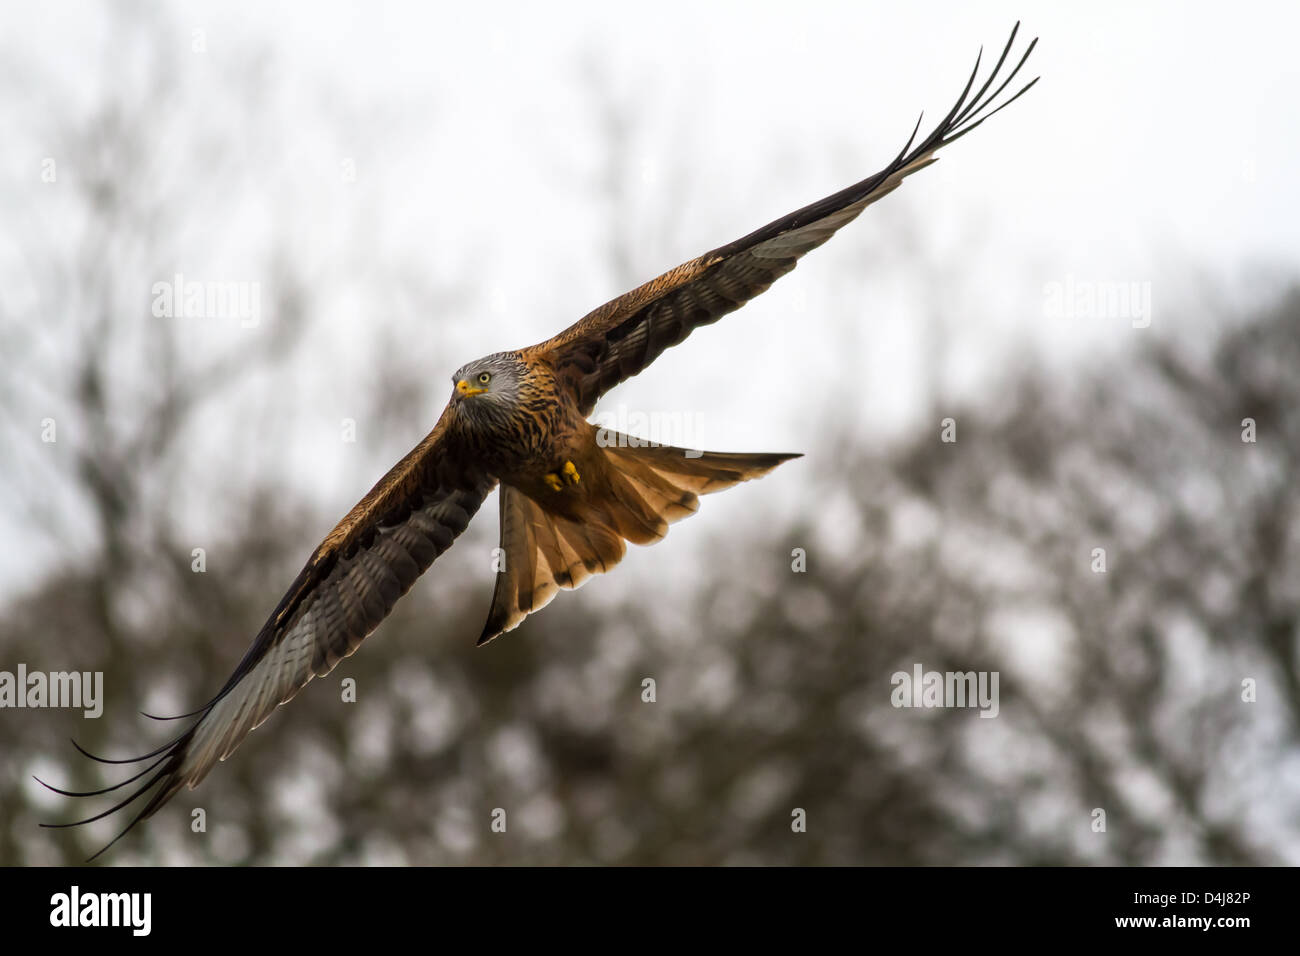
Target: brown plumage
[{"x": 571, "y": 495}]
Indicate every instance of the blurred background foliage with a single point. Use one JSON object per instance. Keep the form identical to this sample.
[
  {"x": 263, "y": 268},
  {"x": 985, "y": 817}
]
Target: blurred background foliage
[{"x": 1119, "y": 690}]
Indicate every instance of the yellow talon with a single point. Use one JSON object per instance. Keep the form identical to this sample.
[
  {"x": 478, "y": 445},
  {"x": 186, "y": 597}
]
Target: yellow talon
[{"x": 555, "y": 482}]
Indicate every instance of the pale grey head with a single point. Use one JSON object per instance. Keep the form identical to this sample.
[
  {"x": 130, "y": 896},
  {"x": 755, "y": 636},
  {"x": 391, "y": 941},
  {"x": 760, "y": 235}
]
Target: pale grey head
[{"x": 486, "y": 390}]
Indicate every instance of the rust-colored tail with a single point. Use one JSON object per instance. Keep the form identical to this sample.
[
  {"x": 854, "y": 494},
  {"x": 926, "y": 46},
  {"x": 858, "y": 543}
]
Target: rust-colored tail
[{"x": 637, "y": 493}]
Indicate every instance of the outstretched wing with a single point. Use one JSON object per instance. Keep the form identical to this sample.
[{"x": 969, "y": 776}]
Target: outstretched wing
[
  {"x": 622, "y": 337},
  {"x": 350, "y": 584}
]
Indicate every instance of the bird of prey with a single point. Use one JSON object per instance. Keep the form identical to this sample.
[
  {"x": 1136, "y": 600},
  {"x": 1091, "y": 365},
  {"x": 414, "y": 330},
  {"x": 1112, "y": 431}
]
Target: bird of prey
[{"x": 569, "y": 500}]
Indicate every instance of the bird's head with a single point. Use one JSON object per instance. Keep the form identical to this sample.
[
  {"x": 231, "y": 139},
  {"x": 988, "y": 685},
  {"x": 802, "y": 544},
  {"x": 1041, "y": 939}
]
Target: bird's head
[{"x": 492, "y": 381}]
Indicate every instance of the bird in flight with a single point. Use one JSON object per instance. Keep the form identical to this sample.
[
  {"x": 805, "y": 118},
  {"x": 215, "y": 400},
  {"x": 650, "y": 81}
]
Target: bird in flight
[{"x": 571, "y": 494}]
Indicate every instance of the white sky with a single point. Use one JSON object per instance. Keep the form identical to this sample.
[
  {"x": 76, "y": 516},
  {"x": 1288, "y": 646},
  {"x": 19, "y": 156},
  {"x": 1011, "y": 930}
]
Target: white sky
[{"x": 1162, "y": 142}]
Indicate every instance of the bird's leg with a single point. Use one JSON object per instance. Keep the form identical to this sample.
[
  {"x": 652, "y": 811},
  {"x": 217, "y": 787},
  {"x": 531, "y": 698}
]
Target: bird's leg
[{"x": 557, "y": 479}]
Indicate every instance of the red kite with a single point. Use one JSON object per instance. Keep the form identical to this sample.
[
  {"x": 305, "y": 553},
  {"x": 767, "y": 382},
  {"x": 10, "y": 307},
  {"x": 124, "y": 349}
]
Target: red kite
[{"x": 569, "y": 501}]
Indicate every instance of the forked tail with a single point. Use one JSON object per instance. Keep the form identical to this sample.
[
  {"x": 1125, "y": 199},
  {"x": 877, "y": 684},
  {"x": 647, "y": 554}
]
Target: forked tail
[{"x": 633, "y": 494}]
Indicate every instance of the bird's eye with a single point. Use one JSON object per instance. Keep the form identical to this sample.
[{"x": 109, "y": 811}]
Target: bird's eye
[{"x": 484, "y": 378}]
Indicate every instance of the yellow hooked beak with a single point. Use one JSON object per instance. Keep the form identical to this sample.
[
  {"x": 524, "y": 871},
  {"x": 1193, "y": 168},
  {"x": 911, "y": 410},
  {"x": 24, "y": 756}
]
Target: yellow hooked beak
[{"x": 464, "y": 389}]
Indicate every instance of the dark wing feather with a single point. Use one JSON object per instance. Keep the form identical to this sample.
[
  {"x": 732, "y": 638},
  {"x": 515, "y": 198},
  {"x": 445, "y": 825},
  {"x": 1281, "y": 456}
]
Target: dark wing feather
[
  {"x": 370, "y": 559},
  {"x": 622, "y": 337}
]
